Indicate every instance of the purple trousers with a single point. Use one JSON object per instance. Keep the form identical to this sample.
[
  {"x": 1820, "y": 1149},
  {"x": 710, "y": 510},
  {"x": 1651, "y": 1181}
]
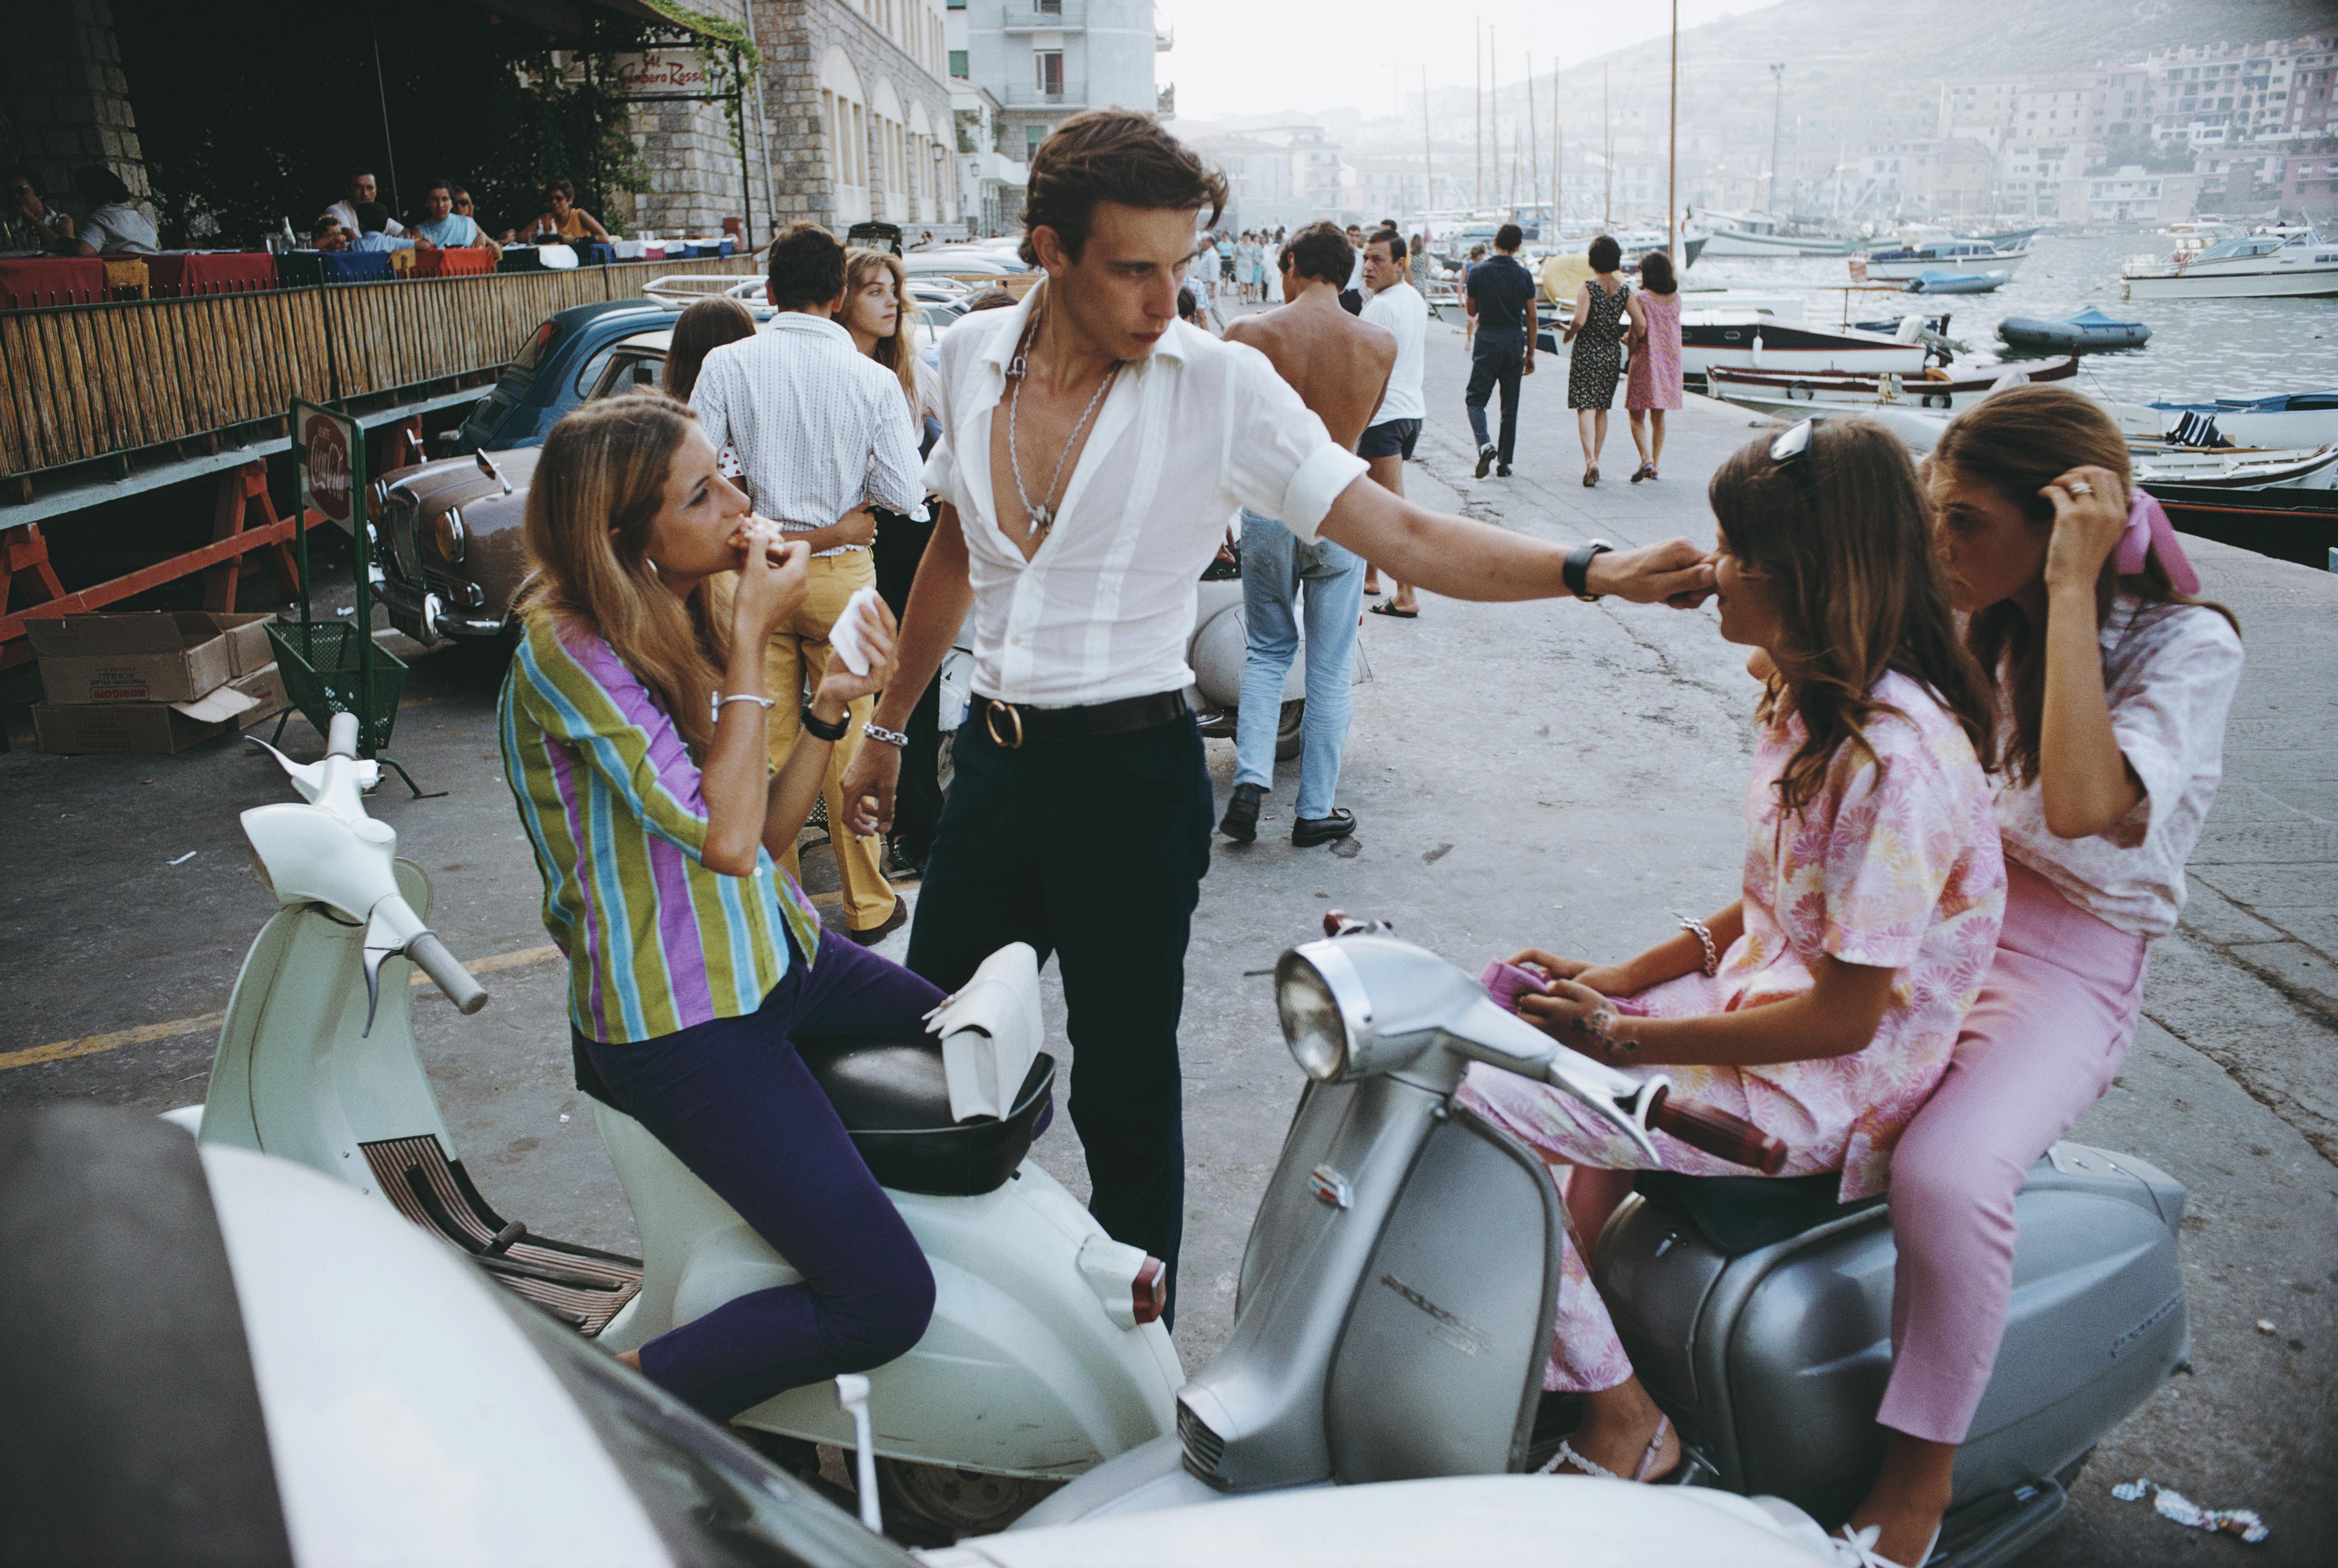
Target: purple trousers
[
  {"x": 737, "y": 1105},
  {"x": 2053, "y": 1023}
]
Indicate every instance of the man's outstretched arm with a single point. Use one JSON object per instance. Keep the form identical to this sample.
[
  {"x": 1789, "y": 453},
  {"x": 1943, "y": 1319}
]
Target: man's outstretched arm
[
  {"x": 937, "y": 607},
  {"x": 1462, "y": 559}
]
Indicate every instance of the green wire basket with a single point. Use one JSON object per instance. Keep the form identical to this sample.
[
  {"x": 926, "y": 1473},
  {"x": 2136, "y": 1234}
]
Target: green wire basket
[{"x": 318, "y": 662}]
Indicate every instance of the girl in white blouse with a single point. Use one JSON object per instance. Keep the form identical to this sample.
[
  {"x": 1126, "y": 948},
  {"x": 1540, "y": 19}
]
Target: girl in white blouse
[{"x": 2113, "y": 683}]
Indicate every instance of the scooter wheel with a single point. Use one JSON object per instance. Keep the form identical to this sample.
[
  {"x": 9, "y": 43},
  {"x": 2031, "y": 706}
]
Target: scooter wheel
[{"x": 934, "y": 1504}]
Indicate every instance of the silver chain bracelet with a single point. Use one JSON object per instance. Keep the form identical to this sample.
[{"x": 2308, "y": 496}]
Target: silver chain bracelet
[
  {"x": 1704, "y": 936},
  {"x": 892, "y": 737}
]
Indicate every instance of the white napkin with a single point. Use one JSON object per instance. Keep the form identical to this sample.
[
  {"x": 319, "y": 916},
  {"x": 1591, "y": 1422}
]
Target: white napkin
[
  {"x": 990, "y": 1031},
  {"x": 859, "y": 612}
]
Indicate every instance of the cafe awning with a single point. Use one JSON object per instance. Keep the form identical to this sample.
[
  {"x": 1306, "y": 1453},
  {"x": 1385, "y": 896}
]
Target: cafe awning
[{"x": 566, "y": 19}]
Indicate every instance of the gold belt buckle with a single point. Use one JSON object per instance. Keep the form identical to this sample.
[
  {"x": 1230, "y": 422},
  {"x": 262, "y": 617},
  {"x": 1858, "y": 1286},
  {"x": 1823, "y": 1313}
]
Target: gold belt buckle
[{"x": 991, "y": 721}]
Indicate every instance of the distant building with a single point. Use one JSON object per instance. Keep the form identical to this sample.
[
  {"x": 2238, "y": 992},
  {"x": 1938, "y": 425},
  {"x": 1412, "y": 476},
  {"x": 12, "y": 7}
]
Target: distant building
[
  {"x": 2310, "y": 185},
  {"x": 1045, "y": 61},
  {"x": 991, "y": 183},
  {"x": 2031, "y": 179},
  {"x": 2223, "y": 94},
  {"x": 2129, "y": 195}
]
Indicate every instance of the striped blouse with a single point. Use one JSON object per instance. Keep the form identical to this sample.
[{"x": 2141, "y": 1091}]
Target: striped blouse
[{"x": 612, "y": 802}]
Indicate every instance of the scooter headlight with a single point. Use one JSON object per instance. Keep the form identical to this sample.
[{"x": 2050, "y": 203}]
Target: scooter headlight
[{"x": 1324, "y": 1017}]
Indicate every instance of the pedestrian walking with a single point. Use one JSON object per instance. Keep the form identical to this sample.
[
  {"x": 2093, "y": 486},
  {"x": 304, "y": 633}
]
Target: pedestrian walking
[
  {"x": 1502, "y": 295},
  {"x": 822, "y": 434},
  {"x": 1340, "y": 367},
  {"x": 1092, "y": 449},
  {"x": 1598, "y": 333},
  {"x": 1654, "y": 383},
  {"x": 1388, "y": 442}
]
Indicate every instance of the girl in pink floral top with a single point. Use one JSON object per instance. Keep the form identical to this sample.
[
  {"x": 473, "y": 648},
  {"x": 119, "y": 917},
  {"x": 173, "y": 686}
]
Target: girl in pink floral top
[{"x": 1872, "y": 887}]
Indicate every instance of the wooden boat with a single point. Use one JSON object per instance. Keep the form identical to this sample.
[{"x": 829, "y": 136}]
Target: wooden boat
[
  {"x": 1757, "y": 340},
  {"x": 2089, "y": 331},
  {"x": 1778, "y": 392},
  {"x": 2287, "y": 522},
  {"x": 1939, "y": 282},
  {"x": 2291, "y": 419},
  {"x": 2225, "y": 468},
  {"x": 1900, "y": 263}
]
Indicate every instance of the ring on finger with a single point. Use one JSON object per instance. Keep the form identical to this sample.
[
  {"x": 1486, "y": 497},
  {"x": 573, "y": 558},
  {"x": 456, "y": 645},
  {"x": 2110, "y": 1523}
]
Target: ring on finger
[{"x": 2080, "y": 487}]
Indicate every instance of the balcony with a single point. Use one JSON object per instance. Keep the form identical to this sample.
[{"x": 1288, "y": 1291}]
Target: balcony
[
  {"x": 1045, "y": 16},
  {"x": 1025, "y": 95}
]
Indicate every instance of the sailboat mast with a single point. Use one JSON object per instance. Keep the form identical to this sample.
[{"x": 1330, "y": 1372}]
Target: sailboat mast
[
  {"x": 1608, "y": 153},
  {"x": 1671, "y": 152},
  {"x": 1477, "y": 113},
  {"x": 1428, "y": 151},
  {"x": 1534, "y": 159}
]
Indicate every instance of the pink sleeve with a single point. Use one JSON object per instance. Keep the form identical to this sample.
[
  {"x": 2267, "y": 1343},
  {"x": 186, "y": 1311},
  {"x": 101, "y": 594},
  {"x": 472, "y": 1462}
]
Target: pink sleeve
[{"x": 1897, "y": 836}]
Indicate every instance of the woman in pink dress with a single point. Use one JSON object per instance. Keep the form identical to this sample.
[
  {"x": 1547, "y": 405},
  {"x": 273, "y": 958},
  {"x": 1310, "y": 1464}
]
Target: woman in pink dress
[
  {"x": 1823, "y": 1004},
  {"x": 1654, "y": 382}
]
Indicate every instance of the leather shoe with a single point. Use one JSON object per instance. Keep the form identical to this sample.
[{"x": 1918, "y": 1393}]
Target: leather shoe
[
  {"x": 1486, "y": 455},
  {"x": 893, "y": 922},
  {"x": 1240, "y": 821},
  {"x": 1309, "y": 831}
]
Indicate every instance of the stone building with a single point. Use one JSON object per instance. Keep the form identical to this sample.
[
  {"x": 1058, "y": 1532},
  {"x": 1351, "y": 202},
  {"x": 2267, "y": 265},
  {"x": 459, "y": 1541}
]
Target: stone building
[{"x": 64, "y": 100}]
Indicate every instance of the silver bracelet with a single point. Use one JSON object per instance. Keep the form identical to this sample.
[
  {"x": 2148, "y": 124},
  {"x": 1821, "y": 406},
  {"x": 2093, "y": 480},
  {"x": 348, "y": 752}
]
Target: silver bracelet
[
  {"x": 1704, "y": 935},
  {"x": 714, "y": 704},
  {"x": 892, "y": 737}
]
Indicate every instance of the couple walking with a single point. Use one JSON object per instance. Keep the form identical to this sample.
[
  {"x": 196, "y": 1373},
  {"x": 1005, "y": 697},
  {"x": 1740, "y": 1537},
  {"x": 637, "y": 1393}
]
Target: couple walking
[{"x": 1361, "y": 376}]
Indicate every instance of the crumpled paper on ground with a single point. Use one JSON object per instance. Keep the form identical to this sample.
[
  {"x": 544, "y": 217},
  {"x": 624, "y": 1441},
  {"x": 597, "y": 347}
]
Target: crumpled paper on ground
[{"x": 2174, "y": 1506}]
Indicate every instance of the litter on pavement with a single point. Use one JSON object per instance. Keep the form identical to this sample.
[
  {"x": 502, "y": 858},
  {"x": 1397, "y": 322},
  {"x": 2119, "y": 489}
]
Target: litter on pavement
[{"x": 2174, "y": 1505}]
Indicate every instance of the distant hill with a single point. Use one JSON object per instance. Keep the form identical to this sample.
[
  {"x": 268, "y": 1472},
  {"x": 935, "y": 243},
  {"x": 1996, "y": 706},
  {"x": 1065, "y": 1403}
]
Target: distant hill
[{"x": 1861, "y": 57}]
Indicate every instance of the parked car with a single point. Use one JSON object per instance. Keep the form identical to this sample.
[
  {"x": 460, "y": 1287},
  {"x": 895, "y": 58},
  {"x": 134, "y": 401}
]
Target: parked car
[{"x": 446, "y": 534}]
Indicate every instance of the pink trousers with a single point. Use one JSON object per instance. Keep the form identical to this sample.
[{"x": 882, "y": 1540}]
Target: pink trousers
[{"x": 2053, "y": 1023}]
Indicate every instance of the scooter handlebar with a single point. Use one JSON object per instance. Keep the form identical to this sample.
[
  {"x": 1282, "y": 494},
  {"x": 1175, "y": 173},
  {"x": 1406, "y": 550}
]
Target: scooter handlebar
[
  {"x": 1717, "y": 1133},
  {"x": 430, "y": 955}
]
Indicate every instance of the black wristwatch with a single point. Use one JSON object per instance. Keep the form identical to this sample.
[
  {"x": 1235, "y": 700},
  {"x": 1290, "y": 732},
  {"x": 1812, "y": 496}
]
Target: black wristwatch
[
  {"x": 1576, "y": 572},
  {"x": 829, "y": 732}
]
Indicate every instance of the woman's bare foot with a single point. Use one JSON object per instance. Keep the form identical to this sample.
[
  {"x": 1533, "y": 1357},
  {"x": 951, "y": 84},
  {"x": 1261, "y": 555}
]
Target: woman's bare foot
[
  {"x": 1371, "y": 587},
  {"x": 1911, "y": 1494},
  {"x": 1619, "y": 1425}
]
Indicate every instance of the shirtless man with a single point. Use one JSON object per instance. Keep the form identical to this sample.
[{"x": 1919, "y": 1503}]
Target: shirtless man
[{"x": 1338, "y": 365}]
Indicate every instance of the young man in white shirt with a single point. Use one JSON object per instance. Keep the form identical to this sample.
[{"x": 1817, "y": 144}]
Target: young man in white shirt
[
  {"x": 1389, "y": 440},
  {"x": 821, "y": 432},
  {"x": 1093, "y": 447},
  {"x": 361, "y": 191}
]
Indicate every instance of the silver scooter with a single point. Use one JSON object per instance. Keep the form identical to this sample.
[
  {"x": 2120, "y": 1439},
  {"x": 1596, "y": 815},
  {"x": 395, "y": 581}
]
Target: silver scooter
[{"x": 1396, "y": 1294}]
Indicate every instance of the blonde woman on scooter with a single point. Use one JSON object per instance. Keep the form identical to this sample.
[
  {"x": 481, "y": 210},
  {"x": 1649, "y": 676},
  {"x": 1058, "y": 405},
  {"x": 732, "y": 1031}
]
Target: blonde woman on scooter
[
  {"x": 634, "y": 737},
  {"x": 1823, "y": 1004}
]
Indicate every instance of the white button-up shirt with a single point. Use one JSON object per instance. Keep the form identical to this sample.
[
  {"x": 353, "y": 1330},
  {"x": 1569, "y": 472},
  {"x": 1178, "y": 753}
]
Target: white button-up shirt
[
  {"x": 1189, "y": 434},
  {"x": 817, "y": 426}
]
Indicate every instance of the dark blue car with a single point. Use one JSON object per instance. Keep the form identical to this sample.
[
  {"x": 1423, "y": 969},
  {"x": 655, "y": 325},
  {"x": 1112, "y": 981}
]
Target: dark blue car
[{"x": 562, "y": 365}]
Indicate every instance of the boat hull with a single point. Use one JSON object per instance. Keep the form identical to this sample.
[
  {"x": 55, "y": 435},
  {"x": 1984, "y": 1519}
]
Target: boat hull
[
  {"x": 1769, "y": 391},
  {"x": 2237, "y": 470},
  {"x": 2035, "y": 335},
  {"x": 1909, "y": 270},
  {"x": 2285, "y": 522},
  {"x": 2244, "y": 428},
  {"x": 2282, "y": 283},
  {"x": 1732, "y": 242}
]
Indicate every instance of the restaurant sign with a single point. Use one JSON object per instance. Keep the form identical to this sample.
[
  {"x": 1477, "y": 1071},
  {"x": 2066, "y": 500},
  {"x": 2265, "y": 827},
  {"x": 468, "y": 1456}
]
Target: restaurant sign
[{"x": 326, "y": 444}]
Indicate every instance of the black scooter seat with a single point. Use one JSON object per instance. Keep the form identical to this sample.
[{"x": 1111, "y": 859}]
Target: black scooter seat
[
  {"x": 894, "y": 1100},
  {"x": 1741, "y": 1214}
]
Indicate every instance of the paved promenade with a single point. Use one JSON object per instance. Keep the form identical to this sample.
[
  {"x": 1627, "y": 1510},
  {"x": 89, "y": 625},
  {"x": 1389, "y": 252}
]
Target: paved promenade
[{"x": 1560, "y": 774}]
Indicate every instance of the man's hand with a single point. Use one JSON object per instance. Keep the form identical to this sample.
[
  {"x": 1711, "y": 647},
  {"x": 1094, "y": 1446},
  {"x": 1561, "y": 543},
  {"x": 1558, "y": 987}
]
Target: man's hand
[
  {"x": 1526, "y": 369},
  {"x": 868, "y": 788},
  {"x": 1675, "y": 573},
  {"x": 858, "y": 526}
]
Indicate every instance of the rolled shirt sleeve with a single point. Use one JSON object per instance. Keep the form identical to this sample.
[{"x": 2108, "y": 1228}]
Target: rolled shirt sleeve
[{"x": 1282, "y": 463}]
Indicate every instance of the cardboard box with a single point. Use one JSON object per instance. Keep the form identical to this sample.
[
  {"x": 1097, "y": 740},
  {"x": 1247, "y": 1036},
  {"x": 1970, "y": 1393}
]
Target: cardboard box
[
  {"x": 163, "y": 657},
  {"x": 162, "y": 728}
]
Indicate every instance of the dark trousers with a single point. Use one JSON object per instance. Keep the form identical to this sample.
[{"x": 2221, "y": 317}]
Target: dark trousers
[
  {"x": 918, "y": 797},
  {"x": 1093, "y": 848},
  {"x": 736, "y": 1104},
  {"x": 1496, "y": 358}
]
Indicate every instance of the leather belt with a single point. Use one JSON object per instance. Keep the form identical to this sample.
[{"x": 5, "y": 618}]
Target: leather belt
[{"x": 1013, "y": 724}]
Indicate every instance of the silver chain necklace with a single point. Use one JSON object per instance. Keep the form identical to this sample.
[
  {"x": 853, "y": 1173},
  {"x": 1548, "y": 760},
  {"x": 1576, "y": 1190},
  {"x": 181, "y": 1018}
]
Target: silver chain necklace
[{"x": 1043, "y": 516}]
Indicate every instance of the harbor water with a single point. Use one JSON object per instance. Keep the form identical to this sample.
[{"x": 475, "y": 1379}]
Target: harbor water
[{"x": 2199, "y": 349}]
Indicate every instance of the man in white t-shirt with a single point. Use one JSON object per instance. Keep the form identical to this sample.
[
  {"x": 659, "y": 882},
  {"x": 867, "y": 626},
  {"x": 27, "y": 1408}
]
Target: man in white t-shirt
[
  {"x": 1093, "y": 447},
  {"x": 345, "y": 211},
  {"x": 1388, "y": 441}
]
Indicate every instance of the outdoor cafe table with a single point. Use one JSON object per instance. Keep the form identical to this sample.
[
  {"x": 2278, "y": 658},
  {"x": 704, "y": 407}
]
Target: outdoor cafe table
[
  {"x": 29, "y": 282},
  {"x": 463, "y": 261},
  {"x": 176, "y": 273}
]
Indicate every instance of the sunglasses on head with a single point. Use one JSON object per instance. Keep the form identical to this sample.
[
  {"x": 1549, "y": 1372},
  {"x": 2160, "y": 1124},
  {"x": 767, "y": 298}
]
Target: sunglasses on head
[{"x": 1791, "y": 450}]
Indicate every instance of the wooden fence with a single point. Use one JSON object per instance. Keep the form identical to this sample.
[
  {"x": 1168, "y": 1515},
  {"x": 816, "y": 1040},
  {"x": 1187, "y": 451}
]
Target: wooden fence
[{"x": 85, "y": 383}]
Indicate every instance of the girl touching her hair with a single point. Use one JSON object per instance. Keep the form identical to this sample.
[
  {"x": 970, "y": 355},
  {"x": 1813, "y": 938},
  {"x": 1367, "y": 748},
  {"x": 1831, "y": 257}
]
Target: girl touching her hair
[
  {"x": 2111, "y": 683},
  {"x": 1823, "y": 1004},
  {"x": 633, "y": 727}
]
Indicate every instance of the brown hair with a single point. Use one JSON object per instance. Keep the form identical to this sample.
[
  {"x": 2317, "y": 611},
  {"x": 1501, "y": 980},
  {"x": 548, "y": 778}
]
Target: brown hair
[
  {"x": 895, "y": 352},
  {"x": 1656, "y": 274},
  {"x": 701, "y": 330},
  {"x": 598, "y": 487},
  {"x": 1320, "y": 251},
  {"x": 2017, "y": 442},
  {"x": 1842, "y": 535},
  {"x": 1112, "y": 155},
  {"x": 562, "y": 187}
]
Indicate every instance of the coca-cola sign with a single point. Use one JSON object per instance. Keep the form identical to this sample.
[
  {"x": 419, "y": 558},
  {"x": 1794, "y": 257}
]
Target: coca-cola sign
[{"x": 326, "y": 477}]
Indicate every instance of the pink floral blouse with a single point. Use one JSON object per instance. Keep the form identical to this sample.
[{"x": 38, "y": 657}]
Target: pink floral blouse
[{"x": 1896, "y": 864}]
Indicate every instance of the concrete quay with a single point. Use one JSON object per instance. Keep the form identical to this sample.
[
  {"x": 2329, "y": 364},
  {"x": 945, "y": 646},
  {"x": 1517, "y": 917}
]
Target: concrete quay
[{"x": 1560, "y": 774}]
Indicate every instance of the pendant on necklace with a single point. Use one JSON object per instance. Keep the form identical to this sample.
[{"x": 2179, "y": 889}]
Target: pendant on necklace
[{"x": 1042, "y": 519}]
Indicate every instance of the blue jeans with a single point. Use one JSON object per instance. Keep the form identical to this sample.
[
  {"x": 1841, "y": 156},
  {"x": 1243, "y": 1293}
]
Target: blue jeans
[{"x": 1277, "y": 569}]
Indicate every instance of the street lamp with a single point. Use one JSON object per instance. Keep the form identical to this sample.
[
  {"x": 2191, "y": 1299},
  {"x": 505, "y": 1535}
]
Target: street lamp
[{"x": 1777, "y": 74}]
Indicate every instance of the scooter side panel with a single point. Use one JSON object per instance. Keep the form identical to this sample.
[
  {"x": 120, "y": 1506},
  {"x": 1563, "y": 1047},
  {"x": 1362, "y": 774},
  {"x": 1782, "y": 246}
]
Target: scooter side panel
[{"x": 1439, "y": 1366}]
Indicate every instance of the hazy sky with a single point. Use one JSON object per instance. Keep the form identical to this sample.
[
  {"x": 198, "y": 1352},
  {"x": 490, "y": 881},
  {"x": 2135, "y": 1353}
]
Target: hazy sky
[{"x": 1245, "y": 56}]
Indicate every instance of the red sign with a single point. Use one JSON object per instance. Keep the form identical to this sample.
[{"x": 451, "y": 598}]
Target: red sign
[
  {"x": 325, "y": 466},
  {"x": 676, "y": 70}
]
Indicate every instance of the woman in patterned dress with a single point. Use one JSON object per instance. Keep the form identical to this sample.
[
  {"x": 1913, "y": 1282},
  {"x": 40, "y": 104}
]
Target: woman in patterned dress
[
  {"x": 1599, "y": 313},
  {"x": 1654, "y": 385},
  {"x": 1829, "y": 1000}
]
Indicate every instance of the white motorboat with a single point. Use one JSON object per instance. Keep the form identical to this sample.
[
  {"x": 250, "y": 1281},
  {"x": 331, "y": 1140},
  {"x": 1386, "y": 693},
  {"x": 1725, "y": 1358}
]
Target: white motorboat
[
  {"x": 2293, "y": 419},
  {"x": 1900, "y": 263},
  {"x": 2246, "y": 267},
  {"x": 2305, "y": 468},
  {"x": 1756, "y": 234},
  {"x": 1757, "y": 340},
  {"x": 1785, "y": 394}
]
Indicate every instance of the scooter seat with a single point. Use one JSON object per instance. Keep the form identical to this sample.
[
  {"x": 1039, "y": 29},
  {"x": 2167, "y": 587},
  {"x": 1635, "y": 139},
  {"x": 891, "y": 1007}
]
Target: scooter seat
[
  {"x": 894, "y": 1100},
  {"x": 1741, "y": 1214}
]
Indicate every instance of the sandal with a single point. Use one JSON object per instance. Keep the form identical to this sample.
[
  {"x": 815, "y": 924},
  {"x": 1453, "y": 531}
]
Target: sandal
[
  {"x": 1591, "y": 477},
  {"x": 1389, "y": 609},
  {"x": 1856, "y": 1549},
  {"x": 1643, "y": 472},
  {"x": 1567, "y": 1455}
]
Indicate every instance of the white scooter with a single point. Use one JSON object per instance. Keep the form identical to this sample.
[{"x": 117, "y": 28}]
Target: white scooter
[{"x": 1045, "y": 1356}]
